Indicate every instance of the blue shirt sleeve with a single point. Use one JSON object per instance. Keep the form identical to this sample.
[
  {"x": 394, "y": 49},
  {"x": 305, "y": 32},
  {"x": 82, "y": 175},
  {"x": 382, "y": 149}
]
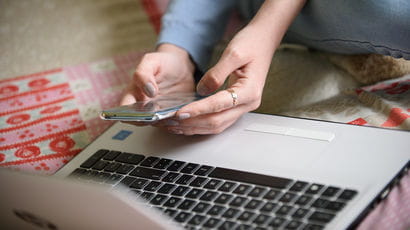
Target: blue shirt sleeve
[{"x": 196, "y": 26}]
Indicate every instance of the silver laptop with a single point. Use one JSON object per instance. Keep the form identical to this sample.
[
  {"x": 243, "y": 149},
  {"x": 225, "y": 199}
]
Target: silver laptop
[{"x": 266, "y": 172}]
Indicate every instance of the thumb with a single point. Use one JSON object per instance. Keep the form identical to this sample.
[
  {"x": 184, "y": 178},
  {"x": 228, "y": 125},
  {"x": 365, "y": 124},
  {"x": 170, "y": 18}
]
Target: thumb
[{"x": 216, "y": 76}]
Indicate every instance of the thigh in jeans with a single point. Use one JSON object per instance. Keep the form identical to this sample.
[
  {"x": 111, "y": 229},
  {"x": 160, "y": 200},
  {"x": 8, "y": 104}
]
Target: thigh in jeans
[{"x": 354, "y": 26}]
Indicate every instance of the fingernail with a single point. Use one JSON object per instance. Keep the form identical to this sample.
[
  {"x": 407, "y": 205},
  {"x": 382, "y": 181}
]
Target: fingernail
[
  {"x": 149, "y": 89},
  {"x": 183, "y": 116},
  {"x": 202, "y": 89},
  {"x": 171, "y": 123}
]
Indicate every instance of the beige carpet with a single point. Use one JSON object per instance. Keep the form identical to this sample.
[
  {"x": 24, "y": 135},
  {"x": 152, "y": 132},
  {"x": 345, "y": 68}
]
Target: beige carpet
[{"x": 38, "y": 35}]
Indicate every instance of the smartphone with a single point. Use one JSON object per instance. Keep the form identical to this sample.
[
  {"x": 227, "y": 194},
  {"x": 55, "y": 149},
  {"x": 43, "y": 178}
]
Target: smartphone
[{"x": 158, "y": 108}]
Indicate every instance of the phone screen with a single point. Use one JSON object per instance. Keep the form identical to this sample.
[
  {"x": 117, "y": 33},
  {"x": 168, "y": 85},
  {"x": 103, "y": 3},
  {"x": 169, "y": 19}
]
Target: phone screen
[{"x": 160, "y": 107}]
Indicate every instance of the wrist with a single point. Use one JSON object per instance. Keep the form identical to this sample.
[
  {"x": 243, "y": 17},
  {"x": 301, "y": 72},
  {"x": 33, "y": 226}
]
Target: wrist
[{"x": 182, "y": 54}]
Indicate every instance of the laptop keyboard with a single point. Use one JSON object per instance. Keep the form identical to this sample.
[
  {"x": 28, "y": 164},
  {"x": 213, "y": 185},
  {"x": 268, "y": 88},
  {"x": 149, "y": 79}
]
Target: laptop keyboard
[{"x": 203, "y": 196}]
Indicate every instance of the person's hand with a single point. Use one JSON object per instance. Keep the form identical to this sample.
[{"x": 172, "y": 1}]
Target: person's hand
[
  {"x": 246, "y": 61},
  {"x": 168, "y": 70}
]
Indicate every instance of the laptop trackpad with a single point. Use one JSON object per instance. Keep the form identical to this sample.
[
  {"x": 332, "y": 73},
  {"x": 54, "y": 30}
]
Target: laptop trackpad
[{"x": 286, "y": 146}]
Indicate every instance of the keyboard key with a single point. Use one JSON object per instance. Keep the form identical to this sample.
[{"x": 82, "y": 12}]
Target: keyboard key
[
  {"x": 114, "y": 178},
  {"x": 287, "y": 197},
  {"x": 334, "y": 206},
  {"x": 196, "y": 220},
  {"x": 184, "y": 179},
  {"x": 194, "y": 193},
  {"x": 149, "y": 161},
  {"x": 176, "y": 166},
  {"x": 230, "y": 213},
  {"x": 261, "y": 219},
  {"x": 101, "y": 177},
  {"x": 149, "y": 173},
  {"x": 244, "y": 227},
  {"x": 94, "y": 158},
  {"x": 242, "y": 189},
  {"x": 298, "y": 186},
  {"x": 124, "y": 169},
  {"x": 90, "y": 175},
  {"x": 172, "y": 202},
  {"x": 277, "y": 222},
  {"x": 227, "y": 225},
  {"x": 187, "y": 204},
  {"x": 246, "y": 216},
  {"x": 330, "y": 191},
  {"x": 111, "y": 155},
  {"x": 136, "y": 192},
  {"x": 129, "y": 158},
  {"x": 252, "y": 178},
  {"x": 257, "y": 192},
  {"x": 201, "y": 207},
  {"x": 152, "y": 186},
  {"x": 320, "y": 203},
  {"x": 223, "y": 198},
  {"x": 189, "y": 168},
  {"x": 180, "y": 191},
  {"x": 112, "y": 167},
  {"x": 213, "y": 184},
  {"x": 238, "y": 201},
  {"x": 284, "y": 210},
  {"x": 212, "y": 223},
  {"x": 139, "y": 183},
  {"x": 78, "y": 172},
  {"x": 147, "y": 195},
  {"x": 198, "y": 182},
  {"x": 182, "y": 217},
  {"x": 272, "y": 194},
  {"x": 163, "y": 163},
  {"x": 321, "y": 217},
  {"x": 203, "y": 170},
  {"x": 216, "y": 210},
  {"x": 303, "y": 200},
  {"x": 127, "y": 181},
  {"x": 208, "y": 196},
  {"x": 170, "y": 212},
  {"x": 314, "y": 189},
  {"x": 227, "y": 186},
  {"x": 166, "y": 188},
  {"x": 313, "y": 227},
  {"x": 170, "y": 177},
  {"x": 300, "y": 213},
  {"x": 268, "y": 207},
  {"x": 292, "y": 225},
  {"x": 100, "y": 165},
  {"x": 253, "y": 204},
  {"x": 347, "y": 194},
  {"x": 158, "y": 199}
]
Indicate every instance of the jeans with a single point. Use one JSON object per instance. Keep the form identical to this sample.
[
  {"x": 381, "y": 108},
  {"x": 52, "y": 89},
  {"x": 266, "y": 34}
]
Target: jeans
[{"x": 349, "y": 26}]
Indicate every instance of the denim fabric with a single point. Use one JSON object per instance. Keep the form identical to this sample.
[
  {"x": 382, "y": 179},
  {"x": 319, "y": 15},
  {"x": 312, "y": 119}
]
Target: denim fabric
[{"x": 354, "y": 26}]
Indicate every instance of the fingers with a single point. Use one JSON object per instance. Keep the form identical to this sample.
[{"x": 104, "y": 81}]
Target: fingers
[
  {"x": 216, "y": 103},
  {"x": 132, "y": 95},
  {"x": 145, "y": 75},
  {"x": 230, "y": 61},
  {"x": 205, "y": 124}
]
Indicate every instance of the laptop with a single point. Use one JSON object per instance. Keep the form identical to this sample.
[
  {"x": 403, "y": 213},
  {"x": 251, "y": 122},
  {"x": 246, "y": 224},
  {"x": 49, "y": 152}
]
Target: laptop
[{"x": 264, "y": 172}]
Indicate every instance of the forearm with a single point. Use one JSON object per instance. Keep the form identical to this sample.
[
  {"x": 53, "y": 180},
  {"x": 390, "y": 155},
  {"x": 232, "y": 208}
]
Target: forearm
[{"x": 274, "y": 17}]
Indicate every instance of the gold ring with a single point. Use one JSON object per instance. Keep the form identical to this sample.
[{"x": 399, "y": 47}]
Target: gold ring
[{"x": 234, "y": 97}]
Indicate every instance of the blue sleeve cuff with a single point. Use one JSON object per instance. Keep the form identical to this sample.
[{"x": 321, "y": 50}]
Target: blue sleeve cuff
[{"x": 196, "y": 26}]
